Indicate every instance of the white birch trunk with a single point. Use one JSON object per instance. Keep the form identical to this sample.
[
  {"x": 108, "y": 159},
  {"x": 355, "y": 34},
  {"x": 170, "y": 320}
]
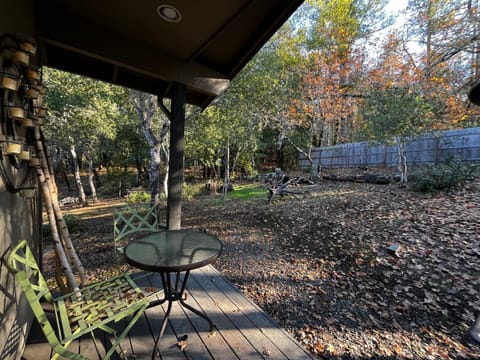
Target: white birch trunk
[
  {"x": 166, "y": 152},
  {"x": 51, "y": 199},
  {"x": 57, "y": 242},
  {"x": 145, "y": 108},
  {"x": 78, "y": 179}
]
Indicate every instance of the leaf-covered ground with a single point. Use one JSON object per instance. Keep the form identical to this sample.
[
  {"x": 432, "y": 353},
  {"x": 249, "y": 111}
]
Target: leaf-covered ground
[{"x": 322, "y": 267}]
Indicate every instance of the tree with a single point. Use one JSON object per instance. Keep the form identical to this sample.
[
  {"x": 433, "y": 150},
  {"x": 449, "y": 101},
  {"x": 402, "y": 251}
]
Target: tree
[
  {"x": 448, "y": 53},
  {"x": 394, "y": 108},
  {"x": 146, "y": 110},
  {"x": 325, "y": 110},
  {"x": 395, "y": 114},
  {"x": 273, "y": 80},
  {"x": 220, "y": 138},
  {"x": 83, "y": 113},
  {"x": 341, "y": 24},
  {"x": 258, "y": 98}
]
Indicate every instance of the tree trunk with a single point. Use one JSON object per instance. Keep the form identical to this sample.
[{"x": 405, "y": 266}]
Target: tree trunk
[
  {"x": 252, "y": 159},
  {"x": 51, "y": 199},
  {"x": 78, "y": 179},
  {"x": 166, "y": 152},
  {"x": 280, "y": 145},
  {"x": 226, "y": 182},
  {"x": 315, "y": 170},
  {"x": 64, "y": 173},
  {"x": 96, "y": 177},
  {"x": 308, "y": 155},
  {"x": 402, "y": 160},
  {"x": 62, "y": 168},
  {"x": 91, "y": 180},
  {"x": 139, "y": 167},
  {"x": 154, "y": 175},
  {"x": 63, "y": 262},
  {"x": 145, "y": 107}
]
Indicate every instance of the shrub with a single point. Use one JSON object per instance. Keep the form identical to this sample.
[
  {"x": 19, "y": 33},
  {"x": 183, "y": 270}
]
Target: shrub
[
  {"x": 191, "y": 190},
  {"x": 117, "y": 182},
  {"x": 450, "y": 174},
  {"x": 74, "y": 223},
  {"x": 138, "y": 196}
]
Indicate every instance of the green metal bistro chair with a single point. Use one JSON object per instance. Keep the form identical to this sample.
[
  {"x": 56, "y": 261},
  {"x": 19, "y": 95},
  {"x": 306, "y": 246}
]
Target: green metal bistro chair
[
  {"x": 81, "y": 312},
  {"x": 131, "y": 219}
]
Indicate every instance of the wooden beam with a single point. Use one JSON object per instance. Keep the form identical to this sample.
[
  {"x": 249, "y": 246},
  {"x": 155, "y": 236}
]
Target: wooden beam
[{"x": 176, "y": 160}]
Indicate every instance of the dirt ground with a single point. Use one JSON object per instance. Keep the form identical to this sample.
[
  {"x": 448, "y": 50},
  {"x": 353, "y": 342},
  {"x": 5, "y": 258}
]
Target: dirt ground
[{"x": 352, "y": 270}]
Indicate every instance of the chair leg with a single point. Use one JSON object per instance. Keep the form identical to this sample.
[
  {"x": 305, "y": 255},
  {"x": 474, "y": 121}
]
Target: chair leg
[
  {"x": 60, "y": 350},
  {"x": 109, "y": 330},
  {"x": 118, "y": 339},
  {"x": 95, "y": 343}
]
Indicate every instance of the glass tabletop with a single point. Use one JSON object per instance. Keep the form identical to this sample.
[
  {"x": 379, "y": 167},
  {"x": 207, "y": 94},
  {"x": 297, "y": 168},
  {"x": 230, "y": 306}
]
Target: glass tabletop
[{"x": 173, "y": 250}]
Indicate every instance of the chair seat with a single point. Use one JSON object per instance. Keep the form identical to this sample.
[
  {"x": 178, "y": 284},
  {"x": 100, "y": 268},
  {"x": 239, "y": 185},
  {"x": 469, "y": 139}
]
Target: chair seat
[{"x": 98, "y": 304}]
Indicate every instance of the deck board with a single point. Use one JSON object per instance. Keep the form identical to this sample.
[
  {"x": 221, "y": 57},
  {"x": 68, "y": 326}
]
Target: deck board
[
  {"x": 285, "y": 343},
  {"x": 243, "y": 331},
  {"x": 258, "y": 343},
  {"x": 227, "y": 329},
  {"x": 215, "y": 343}
]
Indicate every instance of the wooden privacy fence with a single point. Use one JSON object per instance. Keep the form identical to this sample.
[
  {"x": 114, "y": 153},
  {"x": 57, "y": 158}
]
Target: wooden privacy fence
[{"x": 463, "y": 144}]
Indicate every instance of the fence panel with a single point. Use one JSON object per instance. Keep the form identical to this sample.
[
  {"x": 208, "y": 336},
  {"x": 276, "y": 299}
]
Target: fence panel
[{"x": 463, "y": 144}]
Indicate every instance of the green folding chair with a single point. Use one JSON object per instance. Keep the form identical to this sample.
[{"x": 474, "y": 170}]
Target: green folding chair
[
  {"x": 81, "y": 312},
  {"x": 131, "y": 219}
]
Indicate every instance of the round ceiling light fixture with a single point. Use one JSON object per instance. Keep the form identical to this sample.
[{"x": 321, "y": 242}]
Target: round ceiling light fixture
[{"x": 169, "y": 13}]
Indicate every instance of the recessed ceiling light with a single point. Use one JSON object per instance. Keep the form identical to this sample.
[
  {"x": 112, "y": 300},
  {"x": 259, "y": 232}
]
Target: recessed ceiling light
[{"x": 169, "y": 13}]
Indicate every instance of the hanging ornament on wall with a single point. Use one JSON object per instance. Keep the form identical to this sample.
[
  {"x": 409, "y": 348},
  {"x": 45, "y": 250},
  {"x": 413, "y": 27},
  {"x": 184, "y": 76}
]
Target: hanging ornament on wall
[{"x": 21, "y": 109}]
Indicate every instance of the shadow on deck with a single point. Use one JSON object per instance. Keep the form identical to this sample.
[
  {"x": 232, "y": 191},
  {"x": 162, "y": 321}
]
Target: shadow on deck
[{"x": 243, "y": 331}]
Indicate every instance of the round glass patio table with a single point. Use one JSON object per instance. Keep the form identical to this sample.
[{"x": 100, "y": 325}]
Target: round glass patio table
[{"x": 173, "y": 252}]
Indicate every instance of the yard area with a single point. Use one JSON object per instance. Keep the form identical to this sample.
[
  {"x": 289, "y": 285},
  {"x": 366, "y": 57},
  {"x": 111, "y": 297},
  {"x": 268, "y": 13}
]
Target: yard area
[{"x": 352, "y": 270}]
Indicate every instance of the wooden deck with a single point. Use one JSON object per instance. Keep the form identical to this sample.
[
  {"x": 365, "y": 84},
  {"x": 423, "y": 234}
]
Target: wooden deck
[{"x": 243, "y": 331}]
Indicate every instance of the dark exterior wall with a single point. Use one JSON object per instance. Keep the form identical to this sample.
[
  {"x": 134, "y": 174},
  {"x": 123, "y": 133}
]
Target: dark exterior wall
[{"x": 19, "y": 218}]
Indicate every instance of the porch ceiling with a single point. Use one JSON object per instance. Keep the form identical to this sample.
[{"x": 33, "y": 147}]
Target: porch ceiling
[{"x": 129, "y": 44}]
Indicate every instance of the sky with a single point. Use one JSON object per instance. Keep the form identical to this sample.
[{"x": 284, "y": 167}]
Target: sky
[
  {"x": 396, "y": 5},
  {"x": 394, "y": 8}
]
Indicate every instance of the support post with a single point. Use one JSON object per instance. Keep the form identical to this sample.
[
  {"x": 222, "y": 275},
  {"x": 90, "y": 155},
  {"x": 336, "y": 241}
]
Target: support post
[{"x": 176, "y": 161}]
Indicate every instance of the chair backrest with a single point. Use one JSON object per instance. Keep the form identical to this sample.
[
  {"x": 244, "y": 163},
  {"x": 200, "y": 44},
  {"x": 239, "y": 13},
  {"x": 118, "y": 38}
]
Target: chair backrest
[
  {"x": 133, "y": 218},
  {"x": 23, "y": 265}
]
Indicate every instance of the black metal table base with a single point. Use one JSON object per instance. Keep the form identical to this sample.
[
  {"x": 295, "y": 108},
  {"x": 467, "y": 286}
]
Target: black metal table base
[{"x": 174, "y": 292}]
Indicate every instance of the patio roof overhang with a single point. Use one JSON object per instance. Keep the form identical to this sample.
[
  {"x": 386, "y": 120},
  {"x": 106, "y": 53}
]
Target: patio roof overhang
[
  {"x": 148, "y": 45},
  {"x": 185, "y": 50}
]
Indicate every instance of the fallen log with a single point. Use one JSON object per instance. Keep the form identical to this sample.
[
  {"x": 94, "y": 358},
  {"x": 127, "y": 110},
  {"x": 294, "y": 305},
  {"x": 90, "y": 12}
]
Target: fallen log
[{"x": 364, "y": 178}]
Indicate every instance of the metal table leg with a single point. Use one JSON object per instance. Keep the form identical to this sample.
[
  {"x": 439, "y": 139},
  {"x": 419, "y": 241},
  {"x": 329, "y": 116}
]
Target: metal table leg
[{"x": 174, "y": 292}]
